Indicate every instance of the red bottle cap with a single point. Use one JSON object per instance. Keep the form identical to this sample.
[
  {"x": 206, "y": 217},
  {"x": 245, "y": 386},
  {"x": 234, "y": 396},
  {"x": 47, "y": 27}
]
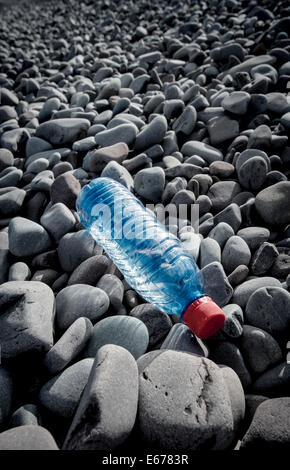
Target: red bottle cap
[{"x": 204, "y": 317}]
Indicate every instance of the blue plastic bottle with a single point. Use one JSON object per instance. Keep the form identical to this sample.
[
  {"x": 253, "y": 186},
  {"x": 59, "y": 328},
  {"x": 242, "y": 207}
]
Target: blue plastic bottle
[{"x": 152, "y": 260}]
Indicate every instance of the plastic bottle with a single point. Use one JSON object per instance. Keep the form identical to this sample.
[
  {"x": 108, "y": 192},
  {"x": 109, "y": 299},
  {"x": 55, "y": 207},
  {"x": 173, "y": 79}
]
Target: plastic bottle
[{"x": 152, "y": 260}]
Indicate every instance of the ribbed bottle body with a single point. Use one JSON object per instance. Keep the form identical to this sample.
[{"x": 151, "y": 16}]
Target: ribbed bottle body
[{"x": 152, "y": 260}]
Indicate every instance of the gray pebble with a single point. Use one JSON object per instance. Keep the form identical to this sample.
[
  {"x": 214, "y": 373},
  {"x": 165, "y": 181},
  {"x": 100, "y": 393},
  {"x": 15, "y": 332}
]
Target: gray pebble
[
  {"x": 243, "y": 292},
  {"x": 74, "y": 248},
  {"x": 114, "y": 288},
  {"x": 235, "y": 252},
  {"x": 26, "y": 323},
  {"x": 107, "y": 410},
  {"x": 149, "y": 183},
  {"x": 80, "y": 300},
  {"x": 27, "y": 437},
  {"x": 61, "y": 394},
  {"x": 58, "y": 220},
  {"x": 71, "y": 343},
  {"x": 158, "y": 323},
  {"x": 27, "y": 238},
  {"x": 216, "y": 284},
  {"x": 128, "y": 332},
  {"x": 264, "y": 307}
]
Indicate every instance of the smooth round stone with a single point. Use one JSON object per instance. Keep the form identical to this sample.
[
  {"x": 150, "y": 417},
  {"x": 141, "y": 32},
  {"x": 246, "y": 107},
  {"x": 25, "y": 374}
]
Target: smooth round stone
[
  {"x": 149, "y": 183},
  {"x": 98, "y": 159},
  {"x": 128, "y": 332},
  {"x": 151, "y": 134},
  {"x": 221, "y": 169},
  {"x": 19, "y": 272},
  {"x": 80, "y": 300},
  {"x": 263, "y": 258},
  {"x": 71, "y": 343},
  {"x": 259, "y": 348},
  {"x": 204, "y": 204},
  {"x": 254, "y": 236},
  {"x": 6, "y": 159},
  {"x": 250, "y": 153},
  {"x": 183, "y": 196},
  {"x": 118, "y": 173},
  {"x": 41, "y": 164},
  {"x": 125, "y": 133},
  {"x": 36, "y": 145},
  {"x": 238, "y": 275},
  {"x": 265, "y": 70},
  {"x": 281, "y": 266},
  {"x": 269, "y": 428},
  {"x": 172, "y": 108},
  {"x": 114, "y": 288},
  {"x": 43, "y": 181},
  {"x": 107, "y": 410},
  {"x": 58, "y": 220},
  {"x": 185, "y": 123},
  {"x": 27, "y": 318},
  {"x": 47, "y": 276},
  {"x": 52, "y": 104},
  {"x": 264, "y": 307},
  {"x": 274, "y": 382},
  {"x": 260, "y": 138},
  {"x": 285, "y": 120},
  {"x": 158, "y": 323},
  {"x": 272, "y": 203},
  {"x": 6, "y": 391},
  {"x": 231, "y": 215},
  {"x": 222, "y": 193},
  {"x": 74, "y": 248},
  {"x": 27, "y": 238},
  {"x": 10, "y": 176},
  {"x": 221, "y": 233},
  {"x": 222, "y": 129},
  {"x": 63, "y": 131},
  {"x": 252, "y": 174},
  {"x": 237, "y": 102},
  {"x": 11, "y": 202},
  {"x": 61, "y": 167},
  {"x": 243, "y": 292},
  {"x": 27, "y": 437},
  {"x": 25, "y": 415},
  {"x": 61, "y": 394},
  {"x": 228, "y": 354},
  {"x": 65, "y": 189},
  {"x": 184, "y": 392},
  {"x": 89, "y": 271},
  {"x": 237, "y": 398},
  {"x": 216, "y": 284},
  {"x": 205, "y": 151},
  {"x": 210, "y": 251},
  {"x": 235, "y": 252},
  {"x": 233, "y": 326}
]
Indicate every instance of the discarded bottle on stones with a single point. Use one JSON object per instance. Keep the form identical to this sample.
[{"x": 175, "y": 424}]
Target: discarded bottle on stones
[{"x": 152, "y": 260}]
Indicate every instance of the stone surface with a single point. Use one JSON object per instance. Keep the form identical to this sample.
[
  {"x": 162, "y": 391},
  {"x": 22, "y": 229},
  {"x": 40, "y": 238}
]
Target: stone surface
[
  {"x": 269, "y": 308},
  {"x": 6, "y": 393},
  {"x": 259, "y": 348},
  {"x": 272, "y": 203},
  {"x": 158, "y": 323},
  {"x": 228, "y": 354},
  {"x": 188, "y": 408},
  {"x": 243, "y": 292},
  {"x": 149, "y": 183},
  {"x": 26, "y": 319},
  {"x": 61, "y": 394},
  {"x": 63, "y": 131},
  {"x": 99, "y": 158},
  {"x": 235, "y": 252},
  {"x": 269, "y": 429},
  {"x": 70, "y": 344},
  {"x": 107, "y": 409},
  {"x": 58, "y": 220},
  {"x": 27, "y": 238},
  {"x": 128, "y": 332},
  {"x": 80, "y": 300},
  {"x": 27, "y": 437},
  {"x": 216, "y": 284},
  {"x": 74, "y": 248},
  {"x": 65, "y": 189}
]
